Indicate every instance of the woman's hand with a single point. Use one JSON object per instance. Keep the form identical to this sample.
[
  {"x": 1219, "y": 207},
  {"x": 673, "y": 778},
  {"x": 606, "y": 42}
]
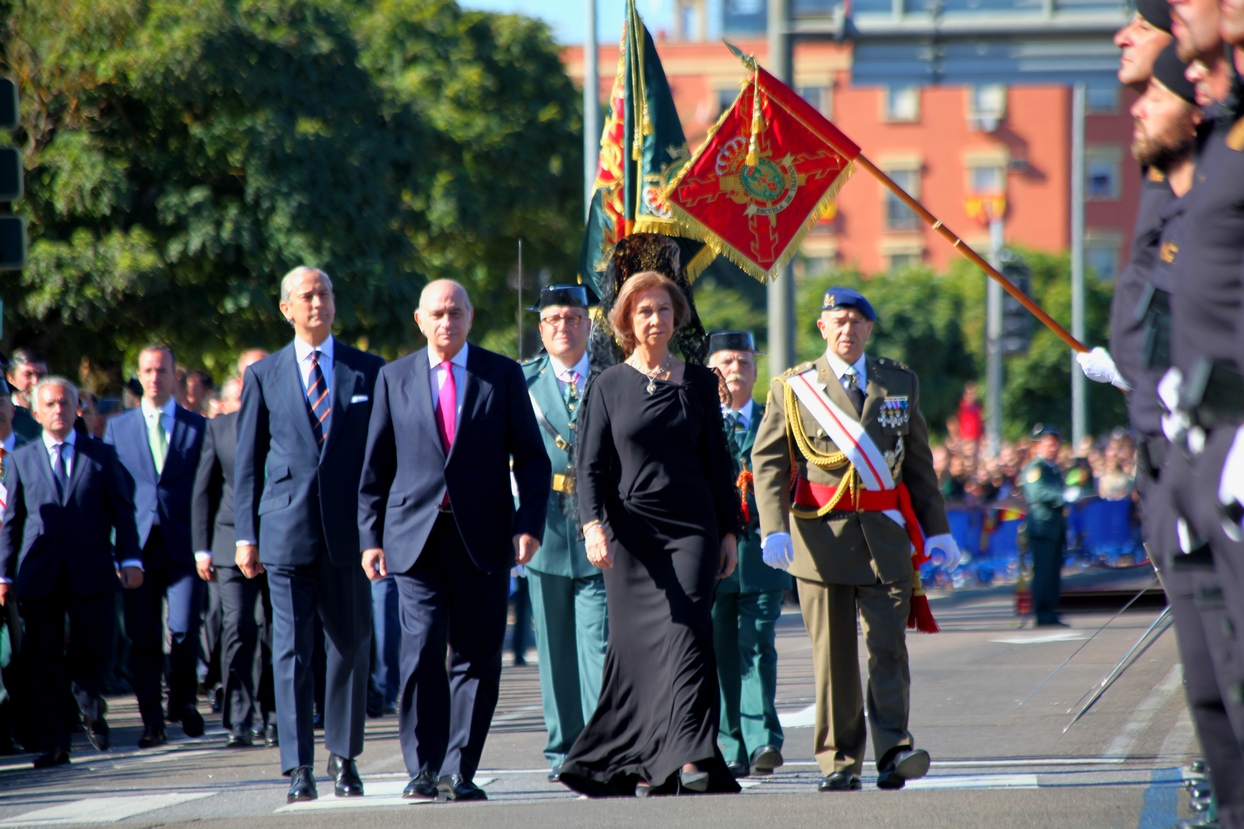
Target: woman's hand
[
  {"x": 729, "y": 556},
  {"x": 598, "y": 547}
]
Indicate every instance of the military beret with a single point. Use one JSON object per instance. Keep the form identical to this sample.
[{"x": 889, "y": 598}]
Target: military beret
[
  {"x": 1168, "y": 70},
  {"x": 574, "y": 296},
  {"x": 1156, "y": 12},
  {"x": 731, "y": 341},
  {"x": 836, "y": 298}
]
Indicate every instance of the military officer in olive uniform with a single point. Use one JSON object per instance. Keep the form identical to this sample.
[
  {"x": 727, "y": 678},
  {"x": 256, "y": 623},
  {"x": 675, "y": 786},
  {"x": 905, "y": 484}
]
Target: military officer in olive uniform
[
  {"x": 847, "y": 431},
  {"x": 567, "y": 592},
  {"x": 749, "y": 600},
  {"x": 1045, "y": 525}
]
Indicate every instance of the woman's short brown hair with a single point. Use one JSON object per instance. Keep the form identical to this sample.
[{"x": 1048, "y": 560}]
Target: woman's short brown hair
[{"x": 624, "y": 306}]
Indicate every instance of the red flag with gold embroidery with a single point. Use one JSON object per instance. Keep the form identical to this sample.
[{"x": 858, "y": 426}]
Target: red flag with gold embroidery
[{"x": 759, "y": 184}]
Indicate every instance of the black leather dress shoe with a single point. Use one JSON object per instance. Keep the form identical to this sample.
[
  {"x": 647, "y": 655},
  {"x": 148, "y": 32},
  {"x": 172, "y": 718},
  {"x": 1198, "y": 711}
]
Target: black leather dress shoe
[
  {"x": 301, "y": 785},
  {"x": 738, "y": 769},
  {"x": 421, "y": 787},
  {"x": 191, "y": 721},
  {"x": 454, "y": 787},
  {"x": 240, "y": 739},
  {"x": 555, "y": 774},
  {"x": 97, "y": 732},
  {"x": 49, "y": 759},
  {"x": 900, "y": 765},
  {"x": 840, "y": 781},
  {"x": 345, "y": 774},
  {"x": 152, "y": 737},
  {"x": 270, "y": 737},
  {"x": 765, "y": 759}
]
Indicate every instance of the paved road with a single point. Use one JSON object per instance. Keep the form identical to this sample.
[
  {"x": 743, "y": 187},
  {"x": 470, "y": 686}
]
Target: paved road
[{"x": 995, "y": 763}]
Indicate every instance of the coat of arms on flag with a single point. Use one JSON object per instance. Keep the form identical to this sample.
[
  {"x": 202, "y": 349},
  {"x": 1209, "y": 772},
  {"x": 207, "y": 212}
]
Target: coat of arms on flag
[{"x": 769, "y": 171}]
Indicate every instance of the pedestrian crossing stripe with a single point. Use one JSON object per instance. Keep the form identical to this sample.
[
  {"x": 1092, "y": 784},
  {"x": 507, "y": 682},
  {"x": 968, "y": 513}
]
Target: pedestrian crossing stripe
[{"x": 102, "y": 809}]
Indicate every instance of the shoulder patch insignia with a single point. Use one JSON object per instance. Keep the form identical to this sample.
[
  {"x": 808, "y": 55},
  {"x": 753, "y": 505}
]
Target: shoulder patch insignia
[
  {"x": 1235, "y": 138},
  {"x": 1034, "y": 474}
]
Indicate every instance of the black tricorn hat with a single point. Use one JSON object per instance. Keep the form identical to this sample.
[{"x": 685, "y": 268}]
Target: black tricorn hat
[
  {"x": 731, "y": 341},
  {"x": 574, "y": 296}
]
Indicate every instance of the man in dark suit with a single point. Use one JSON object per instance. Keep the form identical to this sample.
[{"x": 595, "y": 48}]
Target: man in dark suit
[
  {"x": 159, "y": 443},
  {"x": 67, "y": 495},
  {"x": 247, "y": 705},
  {"x": 11, "y": 723},
  {"x": 302, "y": 430},
  {"x": 436, "y": 510}
]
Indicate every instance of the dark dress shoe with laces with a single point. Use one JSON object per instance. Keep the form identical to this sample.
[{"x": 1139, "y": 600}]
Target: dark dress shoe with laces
[
  {"x": 455, "y": 787},
  {"x": 840, "y": 781},
  {"x": 152, "y": 737},
  {"x": 421, "y": 787},
  {"x": 49, "y": 759},
  {"x": 191, "y": 721},
  {"x": 270, "y": 737},
  {"x": 738, "y": 769},
  {"x": 301, "y": 785},
  {"x": 900, "y": 765},
  {"x": 555, "y": 774},
  {"x": 240, "y": 739},
  {"x": 345, "y": 775},
  {"x": 765, "y": 759},
  {"x": 97, "y": 732}
]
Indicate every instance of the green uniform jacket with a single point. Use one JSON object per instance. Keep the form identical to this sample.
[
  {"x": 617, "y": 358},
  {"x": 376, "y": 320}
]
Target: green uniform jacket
[
  {"x": 855, "y": 548},
  {"x": 1043, "y": 490},
  {"x": 752, "y": 574},
  {"x": 562, "y": 553}
]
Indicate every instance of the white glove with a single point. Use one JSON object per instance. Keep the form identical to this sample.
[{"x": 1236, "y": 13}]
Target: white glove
[
  {"x": 1231, "y": 484},
  {"x": 949, "y": 548},
  {"x": 777, "y": 551},
  {"x": 1099, "y": 367},
  {"x": 1175, "y": 422}
]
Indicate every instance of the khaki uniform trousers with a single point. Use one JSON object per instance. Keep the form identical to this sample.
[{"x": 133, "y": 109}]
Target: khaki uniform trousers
[{"x": 829, "y": 613}]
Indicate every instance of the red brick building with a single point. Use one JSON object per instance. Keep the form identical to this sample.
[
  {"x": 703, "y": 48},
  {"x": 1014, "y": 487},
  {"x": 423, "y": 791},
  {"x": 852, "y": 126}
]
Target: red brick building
[{"x": 944, "y": 144}]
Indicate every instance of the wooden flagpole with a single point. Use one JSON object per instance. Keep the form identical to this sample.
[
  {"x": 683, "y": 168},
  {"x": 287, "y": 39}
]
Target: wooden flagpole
[{"x": 966, "y": 249}]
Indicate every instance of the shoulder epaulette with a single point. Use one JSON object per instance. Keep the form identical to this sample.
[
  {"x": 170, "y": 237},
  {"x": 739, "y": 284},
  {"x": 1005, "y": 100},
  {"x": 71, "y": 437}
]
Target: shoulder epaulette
[
  {"x": 886, "y": 362},
  {"x": 799, "y": 369}
]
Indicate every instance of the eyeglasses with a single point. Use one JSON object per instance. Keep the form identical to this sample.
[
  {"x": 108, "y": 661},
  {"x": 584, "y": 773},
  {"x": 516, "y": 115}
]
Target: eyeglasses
[{"x": 569, "y": 321}]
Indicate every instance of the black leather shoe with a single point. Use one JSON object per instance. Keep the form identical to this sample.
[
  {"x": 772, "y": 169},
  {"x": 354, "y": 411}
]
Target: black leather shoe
[
  {"x": 97, "y": 732},
  {"x": 301, "y": 785},
  {"x": 191, "y": 721},
  {"x": 345, "y": 774},
  {"x": 555, "y": 774},
  {"x": 765, "y": 759},
  {"x": 900, "y": 765},
  {"x": 152, "y": 737},
  {"x": 693, "y": 781},
  {"x": 240, "y": 739},
  {"x": 737, "y": 769},
  {"x": 49, "y": 759},
  {"x": 454, "y": 787},
  {"x": 421, "y": 787},
  {"x": 270, "y": 737},
  {"x": 840, "y": 781}
]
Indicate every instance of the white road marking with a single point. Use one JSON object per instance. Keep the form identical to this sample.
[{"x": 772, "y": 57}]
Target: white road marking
[
  {"x": 976, "y": 781},
  {"x": 518, "y": 714},
  {"x": 379, "y": 793},
  {"x": 102, "y": 809},
  {"x": 798, "y": 719},
  {"x": 1125, "y": 740},
  {"x": 1006, "y": 763},
  {"x": 1042, "y": 638}
]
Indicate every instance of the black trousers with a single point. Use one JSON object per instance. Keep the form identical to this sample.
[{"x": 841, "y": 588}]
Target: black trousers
[
  {"x": 145, "y": 622},
  {"x": 48, "y": 677},
  {"x": 446, "y": 601},
  {"x": 245, "y": 650},
  {"x": 1047, "y": 569}
]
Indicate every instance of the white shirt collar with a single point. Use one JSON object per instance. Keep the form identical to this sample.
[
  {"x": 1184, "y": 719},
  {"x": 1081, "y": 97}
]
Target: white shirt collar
[
  {"x": 459, "y": 359},
  {"x": 49, "y": 441},
  {"x": 169, "y": 409},
  {"x": 303, "y": 349},
  {"x": 839, "y": 367},
  {"x": 583, "y": 367}
]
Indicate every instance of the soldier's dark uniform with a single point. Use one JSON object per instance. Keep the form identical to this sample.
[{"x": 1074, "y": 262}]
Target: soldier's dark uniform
[
  {"x": 1046, "y": 528},
  {"x": 1206, "y": 309}
]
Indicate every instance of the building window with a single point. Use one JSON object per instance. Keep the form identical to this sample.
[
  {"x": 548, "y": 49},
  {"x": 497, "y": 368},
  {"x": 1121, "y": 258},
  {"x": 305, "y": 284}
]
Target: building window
[
  {"x": 986, "y": 179},
  {"x": 1102, "y": 259},
  {"x": 818, "y": 96},
  {"x": 898, "y": 216},
  {"x": 901, "y": 103},
  {"x": 1101, "y": 174},
  {"x": 902, "y": 261},
  {"x": 986, "y": 106},
  {"x": 814, "y": 265},
  {"x": 1101, "y": 100},
  {"x": 726, "y": 98}
]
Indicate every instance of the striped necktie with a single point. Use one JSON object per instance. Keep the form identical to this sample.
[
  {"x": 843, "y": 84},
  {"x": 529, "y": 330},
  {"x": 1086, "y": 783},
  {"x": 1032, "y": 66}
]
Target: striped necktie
[{"x": 317, "y": 400}]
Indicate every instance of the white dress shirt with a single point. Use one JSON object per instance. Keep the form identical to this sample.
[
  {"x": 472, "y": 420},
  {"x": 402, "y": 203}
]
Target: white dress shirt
[
  {"x": 582, "y": 368},
  {"x": 436, "y": 377},
  {"x": 744, "y": 414},
  {"x": 840, "y": 367},
  {"x": 302, "y": 353}
]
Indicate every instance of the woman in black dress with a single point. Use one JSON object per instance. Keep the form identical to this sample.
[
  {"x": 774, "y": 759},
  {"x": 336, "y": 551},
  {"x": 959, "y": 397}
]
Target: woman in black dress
[{"x": 660, "y": 517}]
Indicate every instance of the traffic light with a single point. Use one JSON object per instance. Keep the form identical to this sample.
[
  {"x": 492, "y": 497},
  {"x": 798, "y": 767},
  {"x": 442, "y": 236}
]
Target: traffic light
[
  {"x": 1016, "y": 319},
  {"x": 12, "y": 228}
]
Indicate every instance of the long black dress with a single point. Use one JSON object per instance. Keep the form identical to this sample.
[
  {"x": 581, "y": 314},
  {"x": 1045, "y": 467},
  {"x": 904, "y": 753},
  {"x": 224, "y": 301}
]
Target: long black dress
[{"x": 654, "y": 467}]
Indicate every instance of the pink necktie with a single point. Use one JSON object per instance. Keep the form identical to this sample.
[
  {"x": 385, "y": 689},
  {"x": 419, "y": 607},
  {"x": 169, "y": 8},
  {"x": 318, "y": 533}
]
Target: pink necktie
[{"x": 446, "y": 407}]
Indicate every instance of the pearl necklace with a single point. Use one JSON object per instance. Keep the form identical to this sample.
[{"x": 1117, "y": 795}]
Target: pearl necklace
[{"x": 655, "y": 373}]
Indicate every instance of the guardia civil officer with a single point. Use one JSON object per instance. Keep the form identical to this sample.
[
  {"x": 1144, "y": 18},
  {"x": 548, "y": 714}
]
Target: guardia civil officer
[
  {"x": 1045, "y": 524},
  {"x": 847, "y": 430},
  {"x": 749, "y": 600},
  {"x": 567, "y": 591}
]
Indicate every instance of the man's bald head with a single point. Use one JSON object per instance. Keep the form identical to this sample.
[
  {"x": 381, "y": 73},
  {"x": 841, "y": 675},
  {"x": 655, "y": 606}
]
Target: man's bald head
[
  {"x": 444, "y": 316},
  {"x": 439, "y": 287}
]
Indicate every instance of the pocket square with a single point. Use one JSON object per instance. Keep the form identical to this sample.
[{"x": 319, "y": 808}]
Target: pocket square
[{"x": 359, "y": 398}]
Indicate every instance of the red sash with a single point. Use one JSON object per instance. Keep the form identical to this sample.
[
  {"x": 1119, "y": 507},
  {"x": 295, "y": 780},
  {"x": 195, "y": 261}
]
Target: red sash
[{"x": 815, "y": 496}]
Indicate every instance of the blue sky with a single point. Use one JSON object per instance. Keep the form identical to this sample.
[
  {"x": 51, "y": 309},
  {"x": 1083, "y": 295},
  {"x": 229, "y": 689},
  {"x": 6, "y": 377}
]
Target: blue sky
[{"x": 567, "y": 16}]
